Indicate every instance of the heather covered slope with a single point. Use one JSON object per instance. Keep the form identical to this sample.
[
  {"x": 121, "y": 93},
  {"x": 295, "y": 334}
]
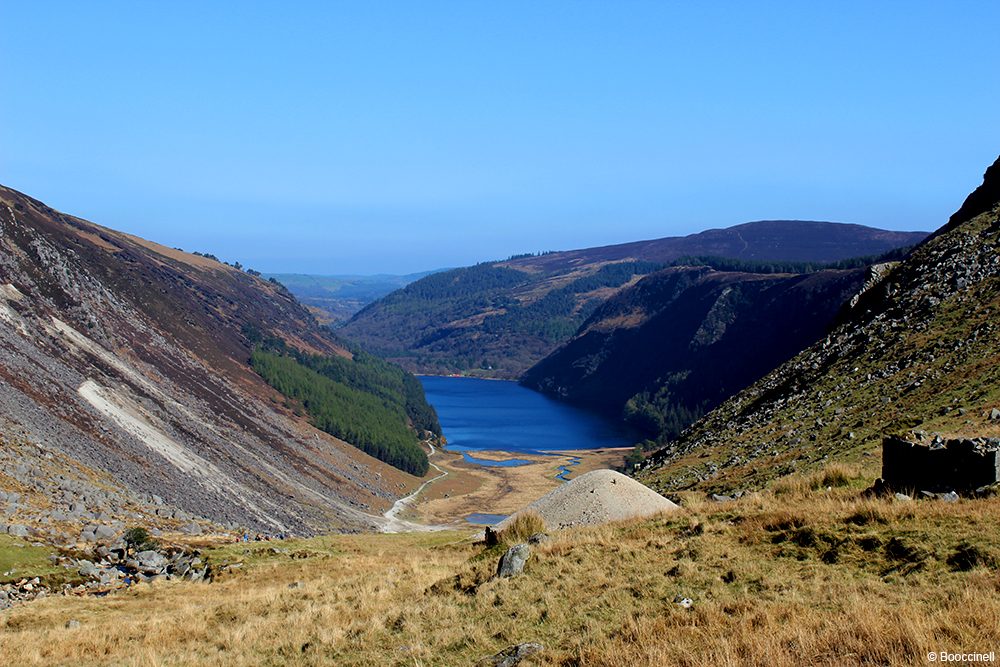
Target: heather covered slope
[
  {"x": 132, "y": 359},
  {"x": 680, "y": 341},
  {"x": 497, "y": 319},
  {"x": 920, "y": 351}
]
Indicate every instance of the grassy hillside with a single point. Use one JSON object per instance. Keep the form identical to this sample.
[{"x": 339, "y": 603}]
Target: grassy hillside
[
  {"x": 796, "y": 576},
  {"x": 499, "y": 318},
  {"x": 919, "y": 352}
]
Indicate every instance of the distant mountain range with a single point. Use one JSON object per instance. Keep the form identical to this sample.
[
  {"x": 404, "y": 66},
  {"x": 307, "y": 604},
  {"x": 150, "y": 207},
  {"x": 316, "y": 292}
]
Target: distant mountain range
[
  {"x": 127, "y": 364},
  {"x": 334, "y": 299},
  {"x": 917, "y": 354},
  {"x": 497, "y": 319}
]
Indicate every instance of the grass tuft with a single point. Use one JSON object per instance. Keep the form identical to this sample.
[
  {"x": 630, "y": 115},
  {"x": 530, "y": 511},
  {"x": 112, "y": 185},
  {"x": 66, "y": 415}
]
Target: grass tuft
[{"x": 523, "y": 526}]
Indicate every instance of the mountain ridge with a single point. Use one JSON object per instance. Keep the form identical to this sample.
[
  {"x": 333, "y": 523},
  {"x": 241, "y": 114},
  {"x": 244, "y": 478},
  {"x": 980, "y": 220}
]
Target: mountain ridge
[
  {"x": 497, "y": 319},
  {"x": 917, "y": 353},
  {"x": 666, "y": 350}
]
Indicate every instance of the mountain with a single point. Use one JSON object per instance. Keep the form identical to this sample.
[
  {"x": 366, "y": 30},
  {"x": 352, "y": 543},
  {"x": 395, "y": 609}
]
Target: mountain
[
  {"x": 130, "y": 359},
  {"x": 668, "y": 349},
  {"x": 334, "y": 299},
  {"x": 497, "y": 319},
  {"x": 918, "y": 353}
]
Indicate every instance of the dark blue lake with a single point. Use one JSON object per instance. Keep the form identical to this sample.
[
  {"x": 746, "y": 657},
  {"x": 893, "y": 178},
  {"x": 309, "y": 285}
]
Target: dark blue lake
[{"x": 504, "y": 416}]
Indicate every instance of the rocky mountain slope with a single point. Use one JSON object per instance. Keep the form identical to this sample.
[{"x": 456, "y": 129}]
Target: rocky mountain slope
[
  {"x": 918, "y": 352},
  {"x": 668, "y": 349},
  {"x": 497, "y": 319},
  {"x": 130, "y": 359}
]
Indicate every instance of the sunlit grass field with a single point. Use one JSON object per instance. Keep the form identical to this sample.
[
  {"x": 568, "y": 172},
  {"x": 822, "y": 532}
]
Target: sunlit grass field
[{"x": 808, "y": 572}]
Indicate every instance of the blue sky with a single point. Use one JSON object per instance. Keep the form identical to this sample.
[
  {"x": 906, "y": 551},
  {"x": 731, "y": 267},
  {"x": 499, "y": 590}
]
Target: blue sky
[{"x": 343, "y": 137}]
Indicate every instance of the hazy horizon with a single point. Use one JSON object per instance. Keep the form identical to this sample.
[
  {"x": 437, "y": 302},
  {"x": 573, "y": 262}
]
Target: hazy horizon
[{"x": 355, "y": 139}]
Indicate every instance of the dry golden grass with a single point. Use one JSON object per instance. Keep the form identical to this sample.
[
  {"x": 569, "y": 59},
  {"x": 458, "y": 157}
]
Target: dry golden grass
[
  {"x": 808, "y": 577},
  {"x": 521, "y": 527}
]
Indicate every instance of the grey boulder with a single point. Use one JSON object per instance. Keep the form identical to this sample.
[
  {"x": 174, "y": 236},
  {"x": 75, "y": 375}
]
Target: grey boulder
[
  {"x": 513, "y": 561},
  {"x": 513, "y": 655}
]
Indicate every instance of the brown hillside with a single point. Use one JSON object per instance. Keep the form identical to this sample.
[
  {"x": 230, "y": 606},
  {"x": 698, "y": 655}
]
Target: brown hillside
[{"x": 130, "y": 358}]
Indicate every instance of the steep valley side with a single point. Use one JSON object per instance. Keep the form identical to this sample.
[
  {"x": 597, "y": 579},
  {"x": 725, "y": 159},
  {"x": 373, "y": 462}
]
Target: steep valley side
[{"x": 132, "y": 359}]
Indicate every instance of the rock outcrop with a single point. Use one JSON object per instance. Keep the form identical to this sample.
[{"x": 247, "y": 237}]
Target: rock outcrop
[{"x": 680, "y": 341}]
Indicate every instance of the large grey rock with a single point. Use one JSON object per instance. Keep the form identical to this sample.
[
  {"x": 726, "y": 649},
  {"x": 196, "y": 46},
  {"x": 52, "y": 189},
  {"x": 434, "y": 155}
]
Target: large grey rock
[
  {"x": 513, "y": 561},
  {"x": 17, "y": 530},
  {"x": 150, "y": 562},
  {"x": 105, "y": 533},
  {"x": 88, "y": 569},
  {"x": 191, "y": 529},
  {"x": 512, "y": 655}
]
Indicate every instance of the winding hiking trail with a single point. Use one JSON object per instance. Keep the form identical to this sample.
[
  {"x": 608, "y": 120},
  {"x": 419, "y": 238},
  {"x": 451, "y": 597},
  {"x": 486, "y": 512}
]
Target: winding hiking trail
[{"x": 393, "y": 524}]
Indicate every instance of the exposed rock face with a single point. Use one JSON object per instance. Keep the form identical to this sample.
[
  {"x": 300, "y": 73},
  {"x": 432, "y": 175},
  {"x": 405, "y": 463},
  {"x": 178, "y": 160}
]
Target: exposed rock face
[
  {"x": 129, "y": 359},
  {"x": 921, "y": 349},
  {"x": 981, "y": 200},
  {"x": 682, "y": 340}
]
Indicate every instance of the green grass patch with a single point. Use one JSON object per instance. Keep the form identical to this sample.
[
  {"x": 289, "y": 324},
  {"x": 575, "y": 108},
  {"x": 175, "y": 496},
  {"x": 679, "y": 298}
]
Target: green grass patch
[{"x": 24, "y": 561}]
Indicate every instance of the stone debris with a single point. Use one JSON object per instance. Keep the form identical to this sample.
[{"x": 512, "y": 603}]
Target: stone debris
[
  {"x": 112, "y": 567},
  {"x": 597, "y": 497}
]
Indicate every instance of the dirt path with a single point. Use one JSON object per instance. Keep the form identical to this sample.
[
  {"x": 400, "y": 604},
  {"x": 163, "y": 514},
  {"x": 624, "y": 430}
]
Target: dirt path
[{"x": 394, "y": 524}]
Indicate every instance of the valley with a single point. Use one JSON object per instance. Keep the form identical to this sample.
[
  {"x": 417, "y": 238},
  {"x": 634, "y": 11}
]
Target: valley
[
  {"x": 199, "y": 491},
  {"x": 468, "y": 334}
]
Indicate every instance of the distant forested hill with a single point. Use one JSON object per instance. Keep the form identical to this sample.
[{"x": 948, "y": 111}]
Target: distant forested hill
[
  {"x": 334, "y": 299},
  {"x": 497, "y": 319}
]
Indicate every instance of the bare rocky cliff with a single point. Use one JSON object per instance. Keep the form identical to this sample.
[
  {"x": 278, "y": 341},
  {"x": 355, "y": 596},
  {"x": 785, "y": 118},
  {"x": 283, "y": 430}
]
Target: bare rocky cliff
[{"x": 680, "y": 341}]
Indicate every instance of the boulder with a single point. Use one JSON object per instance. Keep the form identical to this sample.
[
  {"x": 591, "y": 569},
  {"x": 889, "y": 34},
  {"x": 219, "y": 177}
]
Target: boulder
[
  {"x": 150, "y": 562},
  {"x": 190, "y": 529},
  {"x": 17, "y": 530},
  {"x": 538, "y": 538},
  {"x": 512, "y": 655},
  {"x": 105, "y": 533},
  {"x": 88, "y": 569},
  {"x": 513, "y": 561}
]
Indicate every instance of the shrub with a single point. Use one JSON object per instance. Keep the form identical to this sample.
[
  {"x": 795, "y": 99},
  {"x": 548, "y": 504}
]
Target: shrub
[{"x": 138, "y": 538}]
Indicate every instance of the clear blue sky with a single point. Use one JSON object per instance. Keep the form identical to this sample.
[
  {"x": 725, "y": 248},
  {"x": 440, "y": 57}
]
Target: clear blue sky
[{"x": 364, "y": 137}]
